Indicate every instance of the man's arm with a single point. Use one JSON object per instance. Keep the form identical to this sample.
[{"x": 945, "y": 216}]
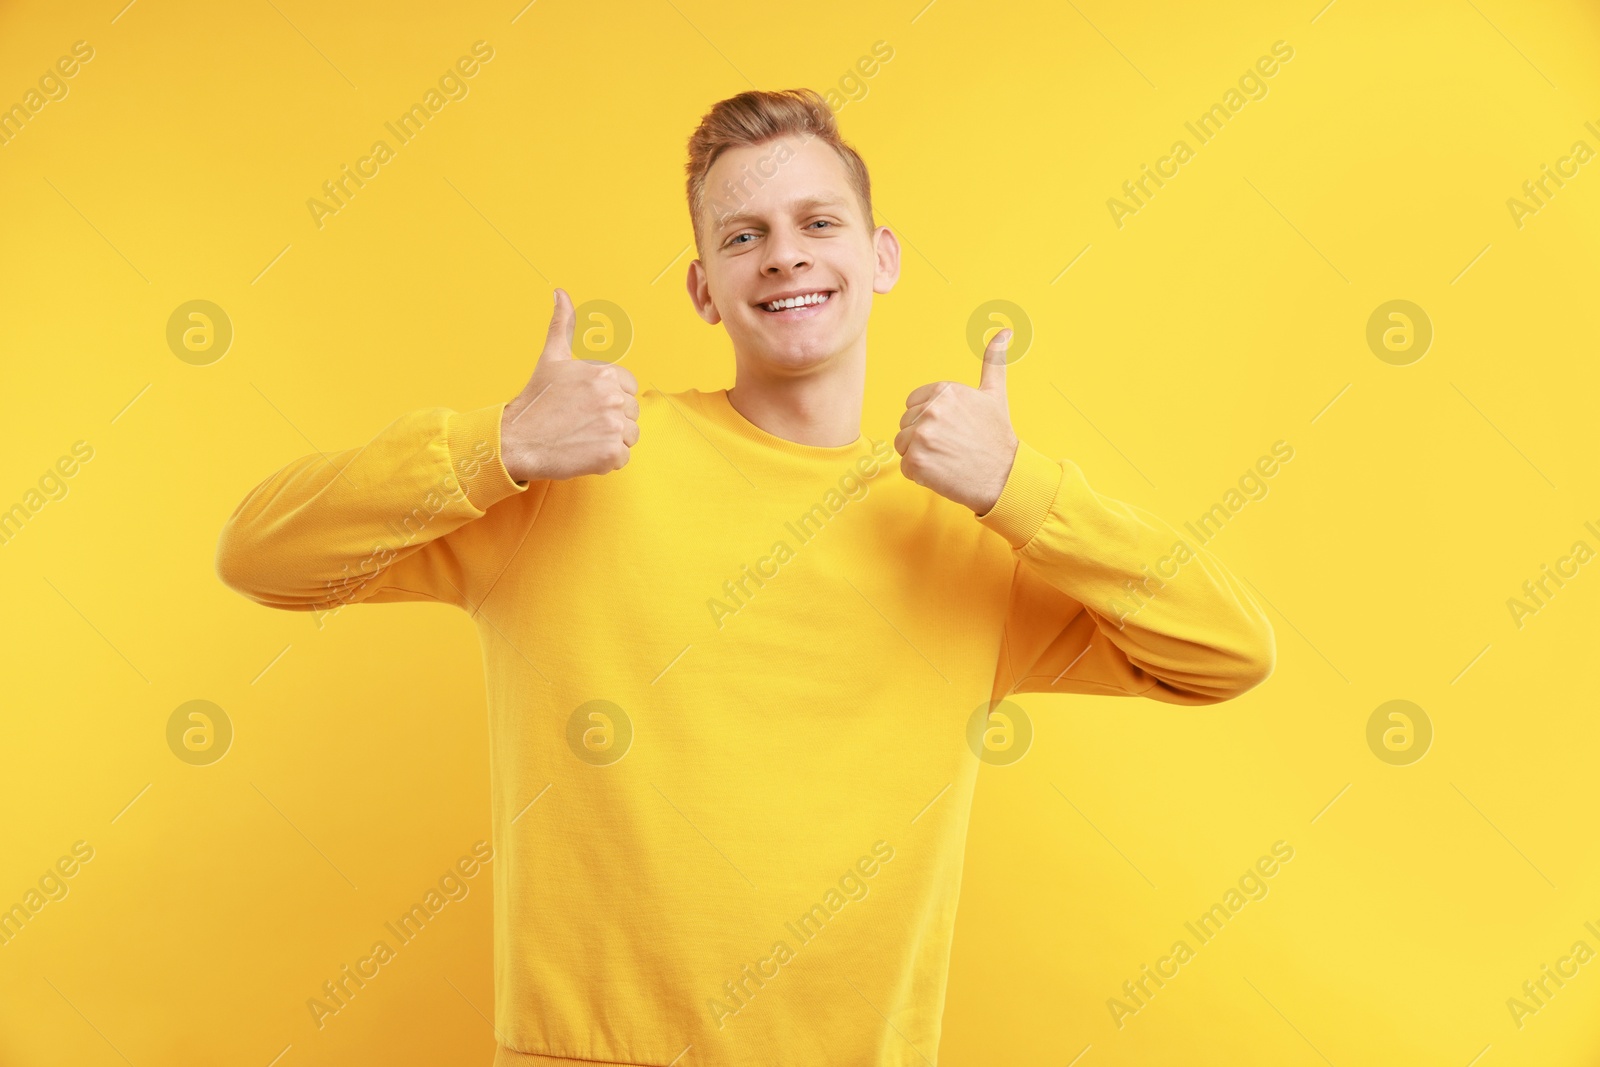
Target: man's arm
[
  {"x": 370, "y": 523},
  {"x": 1109, "y": 599},
  {"x": 1106, "y": 598},
  {"x": 381, "y": 522}
]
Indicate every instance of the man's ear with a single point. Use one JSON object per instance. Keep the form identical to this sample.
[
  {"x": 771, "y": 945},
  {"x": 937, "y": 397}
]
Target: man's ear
[
  {"x": 886, "y": 270},
  {"x": 700, "y": 293}
]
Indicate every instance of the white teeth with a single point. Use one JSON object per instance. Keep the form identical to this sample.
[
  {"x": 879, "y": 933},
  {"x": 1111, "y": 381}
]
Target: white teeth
[{"x": 796, "y": 301}]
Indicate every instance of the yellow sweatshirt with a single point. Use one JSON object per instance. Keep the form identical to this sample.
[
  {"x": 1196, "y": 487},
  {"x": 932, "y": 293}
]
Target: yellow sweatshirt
[{"x": 738, "y": 695}]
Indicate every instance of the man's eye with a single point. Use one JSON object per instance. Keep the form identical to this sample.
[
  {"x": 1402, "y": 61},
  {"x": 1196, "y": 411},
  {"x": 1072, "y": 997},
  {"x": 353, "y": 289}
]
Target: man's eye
[
  {"x": 735, "y": 238},
  {"x": 825, "y": 222}
]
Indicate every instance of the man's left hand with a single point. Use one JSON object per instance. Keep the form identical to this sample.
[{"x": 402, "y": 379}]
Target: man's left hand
[{"x": 957, "y": 440}]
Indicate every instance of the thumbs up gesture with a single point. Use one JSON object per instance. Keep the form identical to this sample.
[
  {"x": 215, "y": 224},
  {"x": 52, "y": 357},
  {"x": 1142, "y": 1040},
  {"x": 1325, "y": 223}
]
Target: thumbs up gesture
[
  {"x": 574, "y": 417},
  {"x": 957, "y": 440}
]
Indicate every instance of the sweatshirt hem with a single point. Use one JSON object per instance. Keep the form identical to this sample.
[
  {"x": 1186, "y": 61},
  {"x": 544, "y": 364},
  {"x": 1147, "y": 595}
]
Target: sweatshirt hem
[{"x": 510, "y": 1057}]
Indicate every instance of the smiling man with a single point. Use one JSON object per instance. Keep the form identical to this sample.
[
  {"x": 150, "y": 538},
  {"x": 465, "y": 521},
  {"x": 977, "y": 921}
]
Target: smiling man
[{"x": 736, "y": 837}]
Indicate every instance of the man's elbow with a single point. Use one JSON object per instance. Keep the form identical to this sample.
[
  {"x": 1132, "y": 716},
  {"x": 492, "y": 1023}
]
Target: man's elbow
[
  {"x": 237, "y": 563},
  {"x": 1260, "y": 667},
  {"x": 1236, "y": 670},
  {"x": 233, "y": 562},
  {"x": 243, "y": 565},
  {"x": 1254, "y": 661}
]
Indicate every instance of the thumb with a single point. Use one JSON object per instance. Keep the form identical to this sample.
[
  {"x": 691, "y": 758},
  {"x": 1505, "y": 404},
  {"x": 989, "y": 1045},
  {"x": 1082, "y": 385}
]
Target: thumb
[
  {"x": 993, "y": 379},
  {"x": 558, "y": 340}
]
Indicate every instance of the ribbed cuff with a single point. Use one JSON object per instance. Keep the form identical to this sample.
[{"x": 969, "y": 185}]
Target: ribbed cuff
[
  {"x": 474, "y": 441},
  {"x": 1026, "y": 498}
]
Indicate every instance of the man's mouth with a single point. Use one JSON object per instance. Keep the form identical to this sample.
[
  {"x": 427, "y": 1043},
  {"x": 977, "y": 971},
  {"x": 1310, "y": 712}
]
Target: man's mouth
[{"x": 801, "y": 302}]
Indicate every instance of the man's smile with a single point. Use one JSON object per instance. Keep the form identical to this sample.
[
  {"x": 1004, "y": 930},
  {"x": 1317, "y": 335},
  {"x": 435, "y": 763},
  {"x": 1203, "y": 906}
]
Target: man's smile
[{"x": 797, "y": 303}]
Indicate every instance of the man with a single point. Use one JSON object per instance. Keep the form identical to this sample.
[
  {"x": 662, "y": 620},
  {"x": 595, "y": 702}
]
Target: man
[{"x": 745, "y": 668}]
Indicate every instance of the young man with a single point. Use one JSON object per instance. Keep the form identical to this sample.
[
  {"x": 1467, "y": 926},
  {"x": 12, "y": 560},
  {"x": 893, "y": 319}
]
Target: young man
[{"x": 744, "y": 666}]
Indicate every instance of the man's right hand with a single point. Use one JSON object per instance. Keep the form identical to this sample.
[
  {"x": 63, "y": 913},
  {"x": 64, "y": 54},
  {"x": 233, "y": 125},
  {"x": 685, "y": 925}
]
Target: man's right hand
[{"x": 574, "y": 417}]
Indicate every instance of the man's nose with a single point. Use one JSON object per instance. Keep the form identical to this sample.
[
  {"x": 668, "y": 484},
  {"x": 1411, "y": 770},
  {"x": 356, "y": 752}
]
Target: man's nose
[{"x": 784, "y": 252}]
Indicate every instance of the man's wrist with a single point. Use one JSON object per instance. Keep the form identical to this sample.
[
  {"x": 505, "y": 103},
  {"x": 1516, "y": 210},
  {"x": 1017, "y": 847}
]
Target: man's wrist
[
  {"x": 987, "y": 506},
  {"x": 473, "y": 440},
  {"x": 1030, "y": 489}
]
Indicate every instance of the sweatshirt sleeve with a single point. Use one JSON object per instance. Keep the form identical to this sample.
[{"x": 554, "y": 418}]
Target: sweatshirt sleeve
[
  {"x": 392, "y": 520},
  {"x": 1108, "y": 599}
]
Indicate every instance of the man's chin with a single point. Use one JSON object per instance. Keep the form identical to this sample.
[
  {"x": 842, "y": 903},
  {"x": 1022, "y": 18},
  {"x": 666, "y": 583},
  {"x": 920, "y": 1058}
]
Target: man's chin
[{"x": 793, "y": 358}]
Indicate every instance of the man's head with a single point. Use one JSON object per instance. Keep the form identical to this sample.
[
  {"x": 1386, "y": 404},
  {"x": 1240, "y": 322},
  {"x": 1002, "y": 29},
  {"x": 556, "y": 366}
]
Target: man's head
[{"x": 781, "y": 205}]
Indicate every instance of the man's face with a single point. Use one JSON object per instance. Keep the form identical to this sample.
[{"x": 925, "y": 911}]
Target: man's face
[{"x": 781, "y": 218}]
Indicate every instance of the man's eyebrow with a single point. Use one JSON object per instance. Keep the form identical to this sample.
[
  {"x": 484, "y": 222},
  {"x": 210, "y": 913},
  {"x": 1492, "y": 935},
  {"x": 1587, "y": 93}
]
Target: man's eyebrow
[
  {"x": 738, "y": 219},
  {"x": 741, "y": 218},
  {"x": 822, "y": 201}
]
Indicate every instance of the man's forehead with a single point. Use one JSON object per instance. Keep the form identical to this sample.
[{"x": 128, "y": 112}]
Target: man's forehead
[
  {"x": 776, "y": 179},
  {"x": 810, "y": 159}
]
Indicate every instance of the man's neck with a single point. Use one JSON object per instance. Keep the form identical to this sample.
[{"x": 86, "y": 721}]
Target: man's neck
[{"x": 822, "y": 408}]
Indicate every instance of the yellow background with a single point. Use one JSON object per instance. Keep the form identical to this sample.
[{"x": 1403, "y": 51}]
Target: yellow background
[{"x": 1224, "y": 316}]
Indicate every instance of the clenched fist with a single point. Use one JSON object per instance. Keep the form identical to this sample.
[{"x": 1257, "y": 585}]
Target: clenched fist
[
  {"x": 574, "y": 417},
  {"x": 957, "y": 440}
]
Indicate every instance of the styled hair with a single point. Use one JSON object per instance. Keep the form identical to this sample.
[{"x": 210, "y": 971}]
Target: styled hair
[{"x": 755, "y": 118}]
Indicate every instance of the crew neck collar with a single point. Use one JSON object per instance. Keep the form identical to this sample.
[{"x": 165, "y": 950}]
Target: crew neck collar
[{"x": 720, "y": 409}]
